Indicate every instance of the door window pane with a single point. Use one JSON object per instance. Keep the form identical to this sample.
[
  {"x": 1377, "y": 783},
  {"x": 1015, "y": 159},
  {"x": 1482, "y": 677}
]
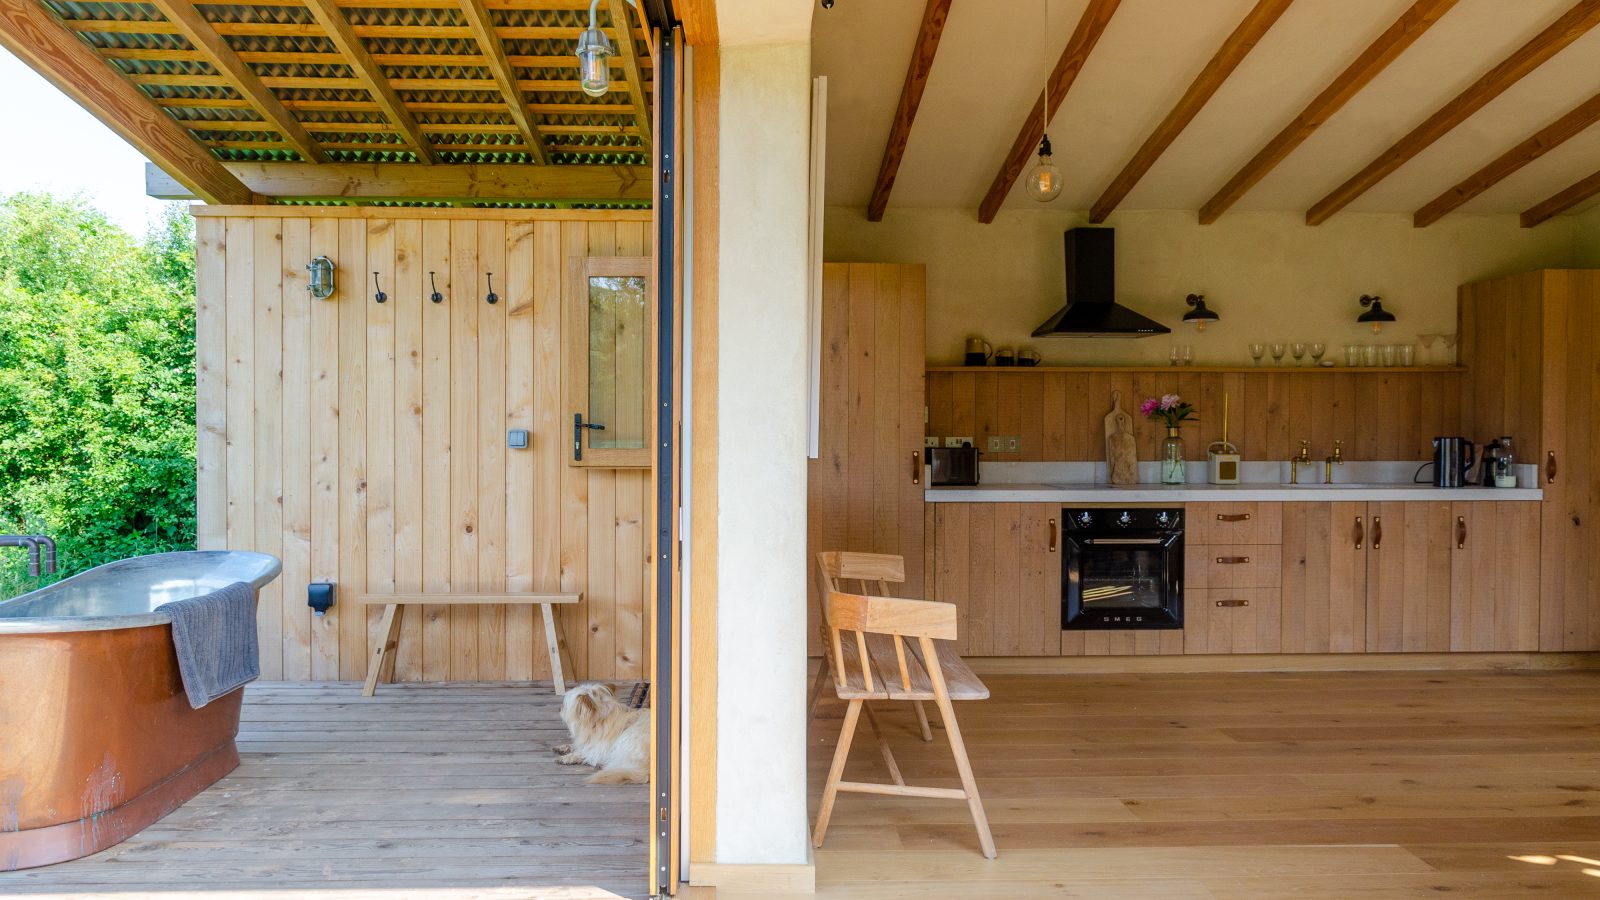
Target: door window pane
[{"x": 619, "y": 362}]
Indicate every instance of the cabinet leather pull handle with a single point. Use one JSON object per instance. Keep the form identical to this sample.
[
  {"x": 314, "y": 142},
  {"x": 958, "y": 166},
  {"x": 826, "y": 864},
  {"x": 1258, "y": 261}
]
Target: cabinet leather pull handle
[
  {"x": 1361, "y": 533},
  {"x": 916, "y": 467},
  {"x": 1461, "y": 532},
  {"x": 1232, "y": 560},
  {"x": 1241, "y": 517},
  {"x": 1377, "y": 531},
  {"x": 1226, "y": 603},
  {"x": 1550, "y": 467},
  {"x": 1052, "y": 535}
]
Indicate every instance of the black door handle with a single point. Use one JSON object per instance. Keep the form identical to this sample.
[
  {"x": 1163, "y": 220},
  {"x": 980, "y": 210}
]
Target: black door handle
[{"x": 578, "y": 425}]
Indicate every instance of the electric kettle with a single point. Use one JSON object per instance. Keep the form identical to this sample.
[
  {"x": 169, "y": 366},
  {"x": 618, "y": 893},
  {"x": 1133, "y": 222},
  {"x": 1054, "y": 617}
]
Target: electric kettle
[{"x": 1453, "y": 458}]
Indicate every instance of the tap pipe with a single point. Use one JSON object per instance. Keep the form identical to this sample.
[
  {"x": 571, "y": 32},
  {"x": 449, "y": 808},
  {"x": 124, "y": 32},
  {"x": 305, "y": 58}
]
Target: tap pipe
[
  {"x": 47, "y": 545},
  {"x": 23, "y": 540}
]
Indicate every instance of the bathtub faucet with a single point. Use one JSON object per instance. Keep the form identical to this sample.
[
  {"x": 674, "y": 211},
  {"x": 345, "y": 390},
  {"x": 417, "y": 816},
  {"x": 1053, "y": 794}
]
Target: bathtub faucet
[{"x": 34, "y": 542}]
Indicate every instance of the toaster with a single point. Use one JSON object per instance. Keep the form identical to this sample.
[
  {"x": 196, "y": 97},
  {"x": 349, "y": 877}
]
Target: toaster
[{"x": 953, "y": 466}]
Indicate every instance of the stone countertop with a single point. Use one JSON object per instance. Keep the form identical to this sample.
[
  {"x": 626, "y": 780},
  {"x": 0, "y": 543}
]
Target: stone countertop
[{"x": 1217, "y": 493}]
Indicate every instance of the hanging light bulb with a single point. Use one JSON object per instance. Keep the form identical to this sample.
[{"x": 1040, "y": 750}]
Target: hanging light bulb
[
  {"x": 1044, "y": 180},
  {"x": 594, "y": 52}
]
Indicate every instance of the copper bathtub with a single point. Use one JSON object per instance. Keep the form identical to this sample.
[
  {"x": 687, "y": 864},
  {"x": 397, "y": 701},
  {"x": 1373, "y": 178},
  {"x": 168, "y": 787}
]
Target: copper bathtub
[{"x": 97, "y": 738}]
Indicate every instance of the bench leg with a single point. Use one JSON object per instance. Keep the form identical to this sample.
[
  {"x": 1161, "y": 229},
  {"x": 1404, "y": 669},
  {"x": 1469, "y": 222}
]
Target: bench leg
[
  {"x": 553, "y": 647},
  {"x": 922, "y": 720},
  {"x": 830, "y": 791},
  {"x": 388, "y": 637},
  {"x": 883, "y": 745},
  {"x": 964, "y": 767},
  {"x": 816, "y": 689}
]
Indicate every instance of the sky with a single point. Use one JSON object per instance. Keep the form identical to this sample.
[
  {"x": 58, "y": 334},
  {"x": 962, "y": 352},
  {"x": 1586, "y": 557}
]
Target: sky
[{"x": 64, "y": 150}]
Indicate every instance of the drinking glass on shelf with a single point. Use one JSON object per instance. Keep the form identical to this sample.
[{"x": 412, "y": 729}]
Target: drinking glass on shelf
[
  {"x": 1427, "y": 347},
  {"x": 1408, "y": 354},
  {"x": 1299, "y": 351},
  {"x": 1257, "y": 351},
  {"x": 1316, "y": 353},
  {"x": 1277, "y": 354},
  {"x": 1388, "y": 354},
  {"x": 1369, "y": 355},
  {"x": 1449, "y": 341},
  {"x": 1352, "y": 355},
  {"x": 1172, "y": 357},
  {"x": 1186, "y": 354}
]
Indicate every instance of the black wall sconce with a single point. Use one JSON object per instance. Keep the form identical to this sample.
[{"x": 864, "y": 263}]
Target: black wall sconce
[
  {"x": 492, "y": 297},
  {"x": 435, "y": 296},
  {"x": 321, "y": 283},
  {"x": 1198, "y": 315},
  {"x": 1375, "y": 314},
  {"x": 378, "y": 293}
]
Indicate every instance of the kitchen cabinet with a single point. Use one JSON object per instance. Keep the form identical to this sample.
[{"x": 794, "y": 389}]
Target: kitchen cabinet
[
  {"x": 1494, "y": 576},
  {"x": 1000, "y": 564},
  {"x": 1410, "y": 560},
  {"x": 865, "y": 488},
  {"x": 1233, "y": 578},
  {"x": 1528, "y": 343},
  {"x": 1324, "y": 577}
]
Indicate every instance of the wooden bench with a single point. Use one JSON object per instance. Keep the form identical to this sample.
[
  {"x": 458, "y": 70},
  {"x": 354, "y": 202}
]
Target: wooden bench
[{"x": 389, "y": 626}]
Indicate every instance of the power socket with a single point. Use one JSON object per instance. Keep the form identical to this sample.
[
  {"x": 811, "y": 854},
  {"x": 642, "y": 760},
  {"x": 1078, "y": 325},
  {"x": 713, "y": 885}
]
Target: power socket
[
  {"x": 1001, "y": 443},
  {"x": 957, "y": 441},
  {"x": 930, "y": 442}
]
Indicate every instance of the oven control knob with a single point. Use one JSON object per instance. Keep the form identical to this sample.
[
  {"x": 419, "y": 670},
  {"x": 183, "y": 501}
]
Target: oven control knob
[
  {"x": 1085, "y": 519},
  {"x": 1125, "y": 519},
  {"x": 1164, "y": 519}
]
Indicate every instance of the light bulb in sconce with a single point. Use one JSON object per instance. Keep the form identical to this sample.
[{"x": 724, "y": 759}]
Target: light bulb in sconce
[
  {"x": 1198, "y": 314},
  {"x": 1044, "y": 179},
  {"x": 1375, "y": 315}
]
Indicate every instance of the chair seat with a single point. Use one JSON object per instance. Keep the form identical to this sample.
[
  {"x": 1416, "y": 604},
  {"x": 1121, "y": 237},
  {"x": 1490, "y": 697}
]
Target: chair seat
[{"x": 961, "y": 682}]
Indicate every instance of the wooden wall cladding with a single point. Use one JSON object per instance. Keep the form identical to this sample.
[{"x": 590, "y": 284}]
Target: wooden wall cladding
[
  {"x": 365, "y": 443},
  {"x": 1058, "y": 415}
]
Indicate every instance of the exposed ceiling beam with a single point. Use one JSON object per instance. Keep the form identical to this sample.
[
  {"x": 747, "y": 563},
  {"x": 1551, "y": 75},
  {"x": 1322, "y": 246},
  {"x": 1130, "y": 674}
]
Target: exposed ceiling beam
[
  {"x": 1244, "y": 38},
  {"x": 905, "y": 113},
  {"x": 38, "y": 38},
  {"x": 1547, "y": 43},
  {"x": 1379, "y": 54},
  {"x": 244, "y": 80},
  {"x": 629, "y": 55},
  {"x": 1563, "y": 200},
  {"x": 409, "y": 181},
  {"x": 1538, "y": 144},
  {"x": 494, "y": 59},
  {"x": 344, "y": 39},
  {"x": 1091, "y": 25}
]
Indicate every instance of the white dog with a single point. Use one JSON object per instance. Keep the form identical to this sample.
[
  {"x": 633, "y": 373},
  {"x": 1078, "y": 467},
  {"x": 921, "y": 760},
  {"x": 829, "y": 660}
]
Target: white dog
[{"x": 606, "y": 734}]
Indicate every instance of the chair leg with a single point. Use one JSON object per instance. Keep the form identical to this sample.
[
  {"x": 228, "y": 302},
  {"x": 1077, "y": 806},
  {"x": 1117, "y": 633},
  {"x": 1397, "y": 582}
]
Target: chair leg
[
  {"x": 968, "y": 783},
  {"x": 922, "y": 720},
  {"x": 883, "y": 745},
  {"x": 816, "y": 689},
  {"x": 830, "y": 791}
]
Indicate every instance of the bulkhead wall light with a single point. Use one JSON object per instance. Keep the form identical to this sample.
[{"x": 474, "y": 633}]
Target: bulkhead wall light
[
  {"x": 1375, "y": 314},
  {"x": 1198, "y": 315},
  {"x": 594, "y": 52},
  {"x": 321, "y": 282}
]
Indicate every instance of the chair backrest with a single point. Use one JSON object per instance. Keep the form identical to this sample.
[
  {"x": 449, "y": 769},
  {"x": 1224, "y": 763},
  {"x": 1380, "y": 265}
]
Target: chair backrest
[
  {"x": 872, "y": 572},
  {"x": 896, "y": 617}
]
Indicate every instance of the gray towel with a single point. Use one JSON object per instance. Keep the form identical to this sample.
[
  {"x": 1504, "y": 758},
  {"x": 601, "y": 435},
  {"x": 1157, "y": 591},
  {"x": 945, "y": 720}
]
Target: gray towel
[{"x": 215, "y": 636}]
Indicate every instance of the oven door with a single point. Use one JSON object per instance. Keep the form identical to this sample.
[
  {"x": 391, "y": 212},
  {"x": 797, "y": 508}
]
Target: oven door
[{"x": 1130, "y": 579}]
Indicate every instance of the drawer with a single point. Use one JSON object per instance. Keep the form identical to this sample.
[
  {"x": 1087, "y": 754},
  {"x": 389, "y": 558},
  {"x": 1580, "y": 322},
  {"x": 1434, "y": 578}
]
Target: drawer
[
  {"x": 1232, "y": 621},
  {"x": 1233, "y": 566},
  {"x": 1234, "y": 523}
]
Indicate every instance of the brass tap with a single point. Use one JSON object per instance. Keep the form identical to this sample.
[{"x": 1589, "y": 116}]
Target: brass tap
[
  {"x": 1337, "y": 459},
  {"x": 1303, "y": 459}
]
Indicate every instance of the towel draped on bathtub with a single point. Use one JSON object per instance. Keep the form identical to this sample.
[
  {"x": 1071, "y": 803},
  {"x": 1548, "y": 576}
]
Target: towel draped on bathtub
[{"x": 215, "y": 637}]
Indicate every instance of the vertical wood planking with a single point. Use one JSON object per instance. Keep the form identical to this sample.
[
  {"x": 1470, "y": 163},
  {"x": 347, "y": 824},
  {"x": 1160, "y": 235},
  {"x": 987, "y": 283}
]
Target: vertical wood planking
[
  {"x": 324, "y": 429},
  {"x": 913, "y": 414},
  {"x": 351, "y": 298},
  {"x": 296, "y": 447},
  {"x": 519, "y": 464},
  {"x": 211, "y": 383},
  {"x": 240, "y": 343},
  {"x": 380, "y": 419},
  {"x": 464, "y": 302},
  {"x": 574, "y": 480},
  {"x": 549, "y": 441},
  {"x": 266, "y": 417},
  {"x": 601, "y": 547},
  {"x": 439, "y": 530},
  {"x": 409, "y": 298},
  {"x": 491, "y": 433},
  {"x": 634, "y": 507}
]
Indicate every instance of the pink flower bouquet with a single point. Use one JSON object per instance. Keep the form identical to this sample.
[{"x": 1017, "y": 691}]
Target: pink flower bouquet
[{"x": 1169, "y": 408}]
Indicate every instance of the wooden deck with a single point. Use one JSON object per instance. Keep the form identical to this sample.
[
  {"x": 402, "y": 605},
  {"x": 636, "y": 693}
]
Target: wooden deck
[
  {"x": 1315, "y": 785},
  {"x": 426, "y": 791}
]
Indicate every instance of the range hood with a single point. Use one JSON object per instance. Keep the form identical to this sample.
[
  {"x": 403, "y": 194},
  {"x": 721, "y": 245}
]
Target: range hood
[{"x": 1092, "y": 310}]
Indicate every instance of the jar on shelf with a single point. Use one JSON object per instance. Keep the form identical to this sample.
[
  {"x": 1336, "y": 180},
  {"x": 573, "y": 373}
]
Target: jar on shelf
[{"x": 1172, "y": 464}]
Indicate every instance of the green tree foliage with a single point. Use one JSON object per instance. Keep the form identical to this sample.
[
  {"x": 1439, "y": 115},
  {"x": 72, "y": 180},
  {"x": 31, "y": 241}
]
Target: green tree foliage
[{"x": 96, "y": 384}]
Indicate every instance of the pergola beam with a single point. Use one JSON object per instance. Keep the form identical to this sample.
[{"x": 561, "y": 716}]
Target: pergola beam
[
  {"x": 408, "y": 181},
  {"x": 349, "y": 45},
  {"x": 629, "y": 54},
  {"x": 1091, "y": 25},
  {"x": 922, "y": 53},
  {"x": 38, "y": 38},
  {"x": 1244, "y": 38},
  {"x": 215, "y": 48},
  {"x": 1388, "y": 46},
  {"x": 494, "y": 58},
  {"x": 1573, "y": 24}
]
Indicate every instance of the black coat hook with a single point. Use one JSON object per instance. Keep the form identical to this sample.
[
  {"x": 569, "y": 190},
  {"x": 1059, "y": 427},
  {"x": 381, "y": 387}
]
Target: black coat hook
[
  {"x": 493, "y": 298},
  {"x": 378, "y": 293},
  {"x": 435, "y": 296}
]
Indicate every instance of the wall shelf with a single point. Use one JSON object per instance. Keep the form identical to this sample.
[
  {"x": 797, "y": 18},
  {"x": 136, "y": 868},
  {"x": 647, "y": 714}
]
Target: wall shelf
[{"x": 1222, "y": 370}]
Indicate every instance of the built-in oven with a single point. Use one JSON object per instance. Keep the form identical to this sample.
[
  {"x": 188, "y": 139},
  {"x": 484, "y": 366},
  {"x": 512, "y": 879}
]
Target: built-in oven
[{"x": 1123, "y": 568}]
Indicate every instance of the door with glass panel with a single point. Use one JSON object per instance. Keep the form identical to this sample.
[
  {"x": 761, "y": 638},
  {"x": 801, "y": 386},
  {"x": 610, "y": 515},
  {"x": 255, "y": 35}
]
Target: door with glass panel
[{"x": 609, "y": 320}]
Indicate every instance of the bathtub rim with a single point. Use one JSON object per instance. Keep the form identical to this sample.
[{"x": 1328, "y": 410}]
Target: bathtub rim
[{"x": 68, "y": 624}]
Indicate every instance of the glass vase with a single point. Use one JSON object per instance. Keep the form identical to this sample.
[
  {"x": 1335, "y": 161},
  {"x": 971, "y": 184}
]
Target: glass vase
[{"x": 1172, "y": 464}]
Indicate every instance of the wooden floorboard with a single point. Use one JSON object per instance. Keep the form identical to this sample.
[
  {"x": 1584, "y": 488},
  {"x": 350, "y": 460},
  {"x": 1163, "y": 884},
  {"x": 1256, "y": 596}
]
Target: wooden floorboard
[
  {"x": 426, "y": 791},
  {"x": 1232, "y": 786}
]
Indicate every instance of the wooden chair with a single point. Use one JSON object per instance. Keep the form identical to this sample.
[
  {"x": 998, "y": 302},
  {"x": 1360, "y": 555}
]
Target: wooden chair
[{"x": 880, "y": 663}]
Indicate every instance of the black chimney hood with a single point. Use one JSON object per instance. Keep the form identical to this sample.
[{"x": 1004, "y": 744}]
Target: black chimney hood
[{"x": 1092, "y": 310}]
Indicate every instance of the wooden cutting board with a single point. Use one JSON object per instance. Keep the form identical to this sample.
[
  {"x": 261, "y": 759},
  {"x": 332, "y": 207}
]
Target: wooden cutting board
[{"x": 1122, "y": 451}]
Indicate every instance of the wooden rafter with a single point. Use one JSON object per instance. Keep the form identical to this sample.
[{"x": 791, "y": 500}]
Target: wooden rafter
[
  {"x": 505, "y": 78},
  {"x": 38, "y": 38},
  {"x": 1091, "y": 25},
  {"x": 444, "y": 181},
  {"x": 629, "y": 54},
  {"x": 1536, "y": 145},
  {"x": 242, "y": 78},
  {"x": 933, "y": 17},
  {"x": 699, "y": 21},
  {"x": 1244, "y": 38},
  {"x": 1547, "y": 43},
  {"x": 344, "y": 38},
  {"x": 1563, "y": 200},
  {"x": 1379, "y": 54}
]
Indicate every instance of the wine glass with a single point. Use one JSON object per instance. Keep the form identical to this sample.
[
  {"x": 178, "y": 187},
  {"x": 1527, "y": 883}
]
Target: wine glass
[
  {"x": 1186, "y": 354},
  {"x": 1172, "y": 357},
  {"x": 1299, "y": 351},
  {"x": 1316, "y": 353},
  {"x": 1427, "y": 347},
  {"x": 1277, "y": 354},
  {"x": 1449, "y": 341},
  {"x": 1257, "y": 351}
]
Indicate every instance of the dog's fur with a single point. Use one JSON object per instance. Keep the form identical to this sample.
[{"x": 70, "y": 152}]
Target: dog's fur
[{"x": 606, "y": 734}]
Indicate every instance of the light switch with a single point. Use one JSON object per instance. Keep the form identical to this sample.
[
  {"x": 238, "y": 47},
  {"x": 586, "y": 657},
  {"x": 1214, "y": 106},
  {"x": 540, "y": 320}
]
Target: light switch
[{"x": 517, "y": 439}]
